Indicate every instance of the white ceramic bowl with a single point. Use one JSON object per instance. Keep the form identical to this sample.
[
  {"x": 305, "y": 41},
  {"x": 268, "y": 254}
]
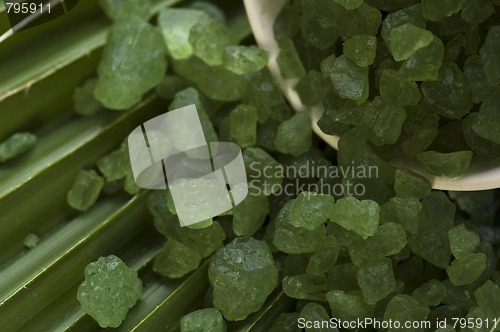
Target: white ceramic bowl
[{"x": 262, "y": 14}]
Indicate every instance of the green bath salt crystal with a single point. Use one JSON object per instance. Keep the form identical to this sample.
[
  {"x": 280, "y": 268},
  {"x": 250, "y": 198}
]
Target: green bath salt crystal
[
  {"x": 376, "y": 279},
  {"x": 325, "y": 256},
  {"x": 305, "y": 287},
  {"x": 349, "y": 4},
  {"x": 83, "y": 97},
  {"x": 478, "y": 11},
  {"x": 109, "y": 290},
  {"x": 175, "y": 260},
  {"x": 395, "y": 89},
  {"x": 406, "y": 39},
  {"x": 294, "y": 136},
  {"x": 295, "y": 240},
  {"x": 404, "y": 308},
  {"x": 311, "y": 88},
  {"x": 244, "y": 59},
  {"x": 175, "y": 25},
  {"x": 407, "y": 213},
  {"x": 408, "y": 184},
  {"x": 348, "y": 306},
  {"x": 349, "y": 80},
  {"x": 382, "y": 121},
  {"x": 313, "y": 312},
  {"x": 466, "y": 269},
  {"x": 133, "y": 62},
  {"x": 488, "y": 298},
  {"x": 203, "y": 320},
  {"x": 288, "y": 60},
  {"x": 112, "y": 166},
  {"x": 211, "y": 9},
  {"x": 243, "y": 125},
  {"x": 85, "y": 190},
  {"x": 361, "y": 49},
  {"x": 244, "y": 270},
  {"x": 488, "y": 119},
  {"x": 430, "y": 293},
  {"x": 31, "y": 240},
  {"x": 490, "y": 55},
  {"x": 249, "y": 215},
  {"x": 424, "y": 64},
  {"x": 256, "y": 162},
  {"x": 450, "y": 165},
  {"x": 208, "y": 39},
  {"x": 309, "y": 210},
  {"x": 286, "y": 322},
  {"x": 16, "y": 145},
  {"x": 462, "y": 241},
  {"x": 437, "y": 10},
  {"x": 359, "y": 216}
]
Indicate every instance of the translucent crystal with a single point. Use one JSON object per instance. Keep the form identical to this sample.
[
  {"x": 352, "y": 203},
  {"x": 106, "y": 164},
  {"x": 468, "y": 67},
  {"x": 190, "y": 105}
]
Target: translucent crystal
[
  {"x": 349, "y": 4},
  {"x": 376, "y": 279},
  {"x": 15, "y": 145},
  {"x": 361, "y": 217},
  {"x": 419, "y": 130},
  {"x": 249, "y": 215},
  {"x": 462, "y": 241},
  {"x": 488, "y": 298},
  {"x": 109, "y": 290},
  {"x": 408, "y": 184},
  {"x": 132, "y": 63},
  {"x": 476, "y": 79},
  {"x": 437, "y": 10},
  {"x": 412, "y": 15},
  {"x": 258, "y": 161},
  {"x": 216, "y": 83},
  {"x": 466, "y": 269},
  {"x": 450, "y": 165},
  {"x": 397, "y": 90},
  {"x": 389, "y": 239},
  {"x": 243, "y": 125},
  {"x": 288, "y": 60},
  {"x": 403, "y": 309},
  {"x": 309, "y": 210},
  {"x": 311, "y": 88},
  {"x": 112, "y": 166},
  {"x": 208, "y": 39},
  {"x": 343, "y": 277},
  {"x": 325, "y": 257},
  {"x": 85, "y": 190},
  {"x": 477, "y": 11},
  {"x": 490, "y": 55},
  {"x": 295, "y": 240},
  {"x": 305, "y": 286},
  {"x": 348, "y": 306},
  {"x": 406, "y": 39},
  {"x": 407, "y": 213},
  {"x": 175, "y": 260},
  {"x": 31, "y": 240},
  {"x": 286, "y": 24},
  {"x": 313, "y": 312},
  {"x": 430, "y": 293},
  {"x": 488, "y": 119},
  {"x": 317, "y": 23},
  {"x": 265, "y": 95},
  {"x": 431, "y": 241},
  {"x": 450, "y": 93},
  {"x": 83, "y": 97},
  {"x": 294, "y": 136},
  {"x": 349, "y": 80},
  {"x": 382, "y": 121},
  {"x": 123, "y": 9},
  {"x": 175, "y": 25},
  {"x": 208, "y": 320},
  {"x": 243, "y": 270},
  {"x": 364, "y": 20},
  {"x": 424, "y": 64},
  {"x": 361, "y": 49},
  {"x": 244, "y": 59}
]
